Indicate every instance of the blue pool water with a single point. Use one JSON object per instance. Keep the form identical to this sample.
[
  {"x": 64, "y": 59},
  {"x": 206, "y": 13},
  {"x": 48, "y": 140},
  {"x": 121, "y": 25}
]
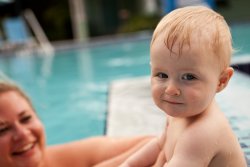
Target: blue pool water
[
  {"x": 241, "y": 35},
  {"x": 69, "y": 89}
]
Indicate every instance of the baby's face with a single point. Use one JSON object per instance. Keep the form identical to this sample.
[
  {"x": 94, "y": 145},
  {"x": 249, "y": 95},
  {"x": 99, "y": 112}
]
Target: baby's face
[{"x": 183, "y": 85}]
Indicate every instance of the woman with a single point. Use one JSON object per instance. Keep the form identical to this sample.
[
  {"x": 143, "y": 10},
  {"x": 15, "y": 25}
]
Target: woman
[{"x": 22, "y": 139}]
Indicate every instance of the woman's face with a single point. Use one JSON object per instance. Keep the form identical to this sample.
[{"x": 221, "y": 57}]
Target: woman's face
[{"x": 22, "y": 136}]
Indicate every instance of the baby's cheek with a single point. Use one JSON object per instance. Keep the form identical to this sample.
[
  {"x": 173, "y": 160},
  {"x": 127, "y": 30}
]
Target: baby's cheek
[
  {"x": 199, "y": 99},
  {"x": 155, "y": 94},
  {"x": 156, "y": 91},
  {"x": 194, "y": 96}
]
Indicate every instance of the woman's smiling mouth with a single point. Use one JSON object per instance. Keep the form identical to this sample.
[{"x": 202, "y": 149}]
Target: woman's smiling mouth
[{"x": 24, "y": 149}]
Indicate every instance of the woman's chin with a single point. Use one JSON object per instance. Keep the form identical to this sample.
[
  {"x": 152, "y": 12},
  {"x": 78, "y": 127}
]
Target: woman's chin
[{"x": 28, "y": 158}]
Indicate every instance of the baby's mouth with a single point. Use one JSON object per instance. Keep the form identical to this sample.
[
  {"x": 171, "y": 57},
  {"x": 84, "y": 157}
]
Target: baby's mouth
[
  {"x": 172, "y": 101},
  {"x": 23, "y": 149}
]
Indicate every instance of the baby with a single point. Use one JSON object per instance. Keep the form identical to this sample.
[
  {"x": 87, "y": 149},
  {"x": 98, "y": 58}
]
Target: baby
[{"x": 190, "y": 62}]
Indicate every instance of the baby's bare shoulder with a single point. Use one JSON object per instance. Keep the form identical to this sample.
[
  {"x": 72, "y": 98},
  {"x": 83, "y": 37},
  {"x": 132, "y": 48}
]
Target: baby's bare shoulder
[
  {"x": 199, "y": 134},
  {"x": 210, "y": 126},
  {"x": 194, "y": 146},
  {"x": 202, "y": 140},
  {"x": 203, "y": 134}
]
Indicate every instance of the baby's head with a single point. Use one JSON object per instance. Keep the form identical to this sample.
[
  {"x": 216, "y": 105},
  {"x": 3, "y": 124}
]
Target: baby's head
[
  {"x": 190, "y": 57},
  {"x": 196, "y": 25}
]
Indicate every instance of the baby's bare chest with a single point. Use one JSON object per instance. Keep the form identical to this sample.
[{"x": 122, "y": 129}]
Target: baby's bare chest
[{"x": 172, "y": 137}]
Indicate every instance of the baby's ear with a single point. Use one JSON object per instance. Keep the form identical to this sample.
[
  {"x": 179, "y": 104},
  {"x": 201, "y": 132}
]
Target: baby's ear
[{"x": 224, "y": 78}]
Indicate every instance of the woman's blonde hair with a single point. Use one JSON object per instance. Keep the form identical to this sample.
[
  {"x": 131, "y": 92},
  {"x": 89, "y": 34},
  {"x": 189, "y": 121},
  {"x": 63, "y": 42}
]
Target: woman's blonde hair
[
  {"x": 209, "y": 27},
  {"x": 6, "y": 86}
]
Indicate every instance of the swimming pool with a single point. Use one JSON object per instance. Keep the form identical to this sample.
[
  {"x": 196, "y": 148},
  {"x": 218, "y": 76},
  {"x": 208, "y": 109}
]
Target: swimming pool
[{"x": 69, "y": 89}]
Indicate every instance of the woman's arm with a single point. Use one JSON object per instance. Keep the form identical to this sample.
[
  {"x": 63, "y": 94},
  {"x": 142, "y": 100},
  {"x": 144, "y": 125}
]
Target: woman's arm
[
  {"x": 93, "y": 151},
  {"x": 146, "y": 156},
  {"x": 120, "y": 158},
  {"x": 116, "y": 150}
]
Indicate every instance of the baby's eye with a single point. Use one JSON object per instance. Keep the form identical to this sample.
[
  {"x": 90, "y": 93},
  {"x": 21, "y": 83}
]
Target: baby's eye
[
  {"x": 26, "y": 119},
  {"x": 162, "y": 75},
  {"x": 189, "y": 77}
]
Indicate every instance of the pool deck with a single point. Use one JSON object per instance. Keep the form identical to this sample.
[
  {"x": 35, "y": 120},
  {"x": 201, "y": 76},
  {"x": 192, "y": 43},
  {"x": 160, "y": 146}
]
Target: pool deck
[{"x": 131, "y": 110}]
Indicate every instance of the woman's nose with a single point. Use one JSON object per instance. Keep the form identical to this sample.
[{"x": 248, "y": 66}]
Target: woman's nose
[
  {"x": 20, "y": 132},
  {"x": 172, "y": 89}
]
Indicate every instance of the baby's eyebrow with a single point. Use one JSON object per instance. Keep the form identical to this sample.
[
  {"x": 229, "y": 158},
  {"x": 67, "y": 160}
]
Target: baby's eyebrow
[{"x": 157, "y": 69}]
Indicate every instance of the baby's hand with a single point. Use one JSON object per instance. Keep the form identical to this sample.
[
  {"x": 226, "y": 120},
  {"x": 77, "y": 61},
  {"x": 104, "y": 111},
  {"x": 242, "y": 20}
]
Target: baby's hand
[{"x": 161, "y": 160}]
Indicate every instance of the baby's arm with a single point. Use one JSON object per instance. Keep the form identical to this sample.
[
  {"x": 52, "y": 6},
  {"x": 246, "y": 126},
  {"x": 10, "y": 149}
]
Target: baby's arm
[
  {"x": 193, "y": 149},
  {"x": 146, "y": 156}
]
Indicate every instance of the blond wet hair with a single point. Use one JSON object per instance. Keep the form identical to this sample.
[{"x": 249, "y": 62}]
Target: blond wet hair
[{"x": 200, "y": 22}]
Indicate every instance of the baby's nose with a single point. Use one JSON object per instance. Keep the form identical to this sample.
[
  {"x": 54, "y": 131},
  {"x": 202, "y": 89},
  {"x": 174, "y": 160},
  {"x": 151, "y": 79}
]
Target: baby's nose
[{"x": 172, "y": 90}]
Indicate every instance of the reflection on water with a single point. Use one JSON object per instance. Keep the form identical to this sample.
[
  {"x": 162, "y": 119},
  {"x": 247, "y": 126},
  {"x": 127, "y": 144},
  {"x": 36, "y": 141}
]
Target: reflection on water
[{"x": 70, "y": 89}]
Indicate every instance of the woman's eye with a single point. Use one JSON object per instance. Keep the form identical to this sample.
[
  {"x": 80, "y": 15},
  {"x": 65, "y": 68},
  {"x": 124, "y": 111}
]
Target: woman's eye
[
  {"x": 26, "y": 119},
  {"x": 3, "y": 130},
  {"x": 162, "y": 75},
  {"x": 189, "y": 77}
]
